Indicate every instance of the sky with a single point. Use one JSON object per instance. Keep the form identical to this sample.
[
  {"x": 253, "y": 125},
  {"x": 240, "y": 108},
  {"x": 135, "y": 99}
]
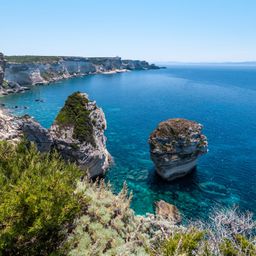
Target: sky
[{"x": 154, "y": 30}]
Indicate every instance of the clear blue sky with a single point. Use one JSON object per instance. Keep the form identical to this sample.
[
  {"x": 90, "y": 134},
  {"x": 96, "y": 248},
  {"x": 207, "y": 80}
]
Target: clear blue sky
[{"x": 155, "y": 30}]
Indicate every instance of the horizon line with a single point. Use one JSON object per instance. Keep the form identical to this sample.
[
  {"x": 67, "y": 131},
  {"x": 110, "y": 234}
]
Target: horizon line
[
  {"x": 146, "y": 59},
  {"x": 207, "y": 62}
]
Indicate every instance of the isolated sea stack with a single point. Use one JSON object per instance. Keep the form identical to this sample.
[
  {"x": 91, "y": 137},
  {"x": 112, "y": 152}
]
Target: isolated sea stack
[
  {"x": 78, "y": 134},
  {"x": 175, "y": 146}
]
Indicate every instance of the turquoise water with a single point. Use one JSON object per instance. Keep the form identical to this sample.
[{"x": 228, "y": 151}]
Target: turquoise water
[{"x": 222, "y": 98}]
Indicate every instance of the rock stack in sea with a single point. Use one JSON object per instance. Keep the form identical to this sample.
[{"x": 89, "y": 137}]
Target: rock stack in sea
[
  {"x": 175, "y": 146},
  {"x": 77, "y": 133}
]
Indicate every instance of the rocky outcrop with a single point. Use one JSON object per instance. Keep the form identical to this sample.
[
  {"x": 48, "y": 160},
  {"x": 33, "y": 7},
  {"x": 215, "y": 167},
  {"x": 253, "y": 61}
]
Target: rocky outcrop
[
  {"x": 33, "y": 70},
  {"x": 78, "y": 134},
  {"x": 34, "y": 132},
  {"x": 168, "y": 211},
  {"x": 13, "y": 129},
  {"x": 175, "y": 146},
  {"x": 10, "y": 127}
]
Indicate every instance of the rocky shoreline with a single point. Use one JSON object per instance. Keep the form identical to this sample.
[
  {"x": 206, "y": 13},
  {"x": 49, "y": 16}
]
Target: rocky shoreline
[
  {"x": 65, "y": 135},
  {"x": 18, "y": 73}
]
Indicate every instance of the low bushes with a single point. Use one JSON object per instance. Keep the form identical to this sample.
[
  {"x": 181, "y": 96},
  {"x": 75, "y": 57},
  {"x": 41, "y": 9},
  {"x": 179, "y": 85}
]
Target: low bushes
[
  {"x": 227, "y": 233},
  {"x": 187, "y": 243},
  {"x": 36, "y": 199}
]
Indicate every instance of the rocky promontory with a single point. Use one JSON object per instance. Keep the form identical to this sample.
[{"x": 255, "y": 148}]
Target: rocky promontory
[
  {"x": 23, "y": 71},
  {"x": 175, "y": 146},
  {"x": 77, "y": 133}
]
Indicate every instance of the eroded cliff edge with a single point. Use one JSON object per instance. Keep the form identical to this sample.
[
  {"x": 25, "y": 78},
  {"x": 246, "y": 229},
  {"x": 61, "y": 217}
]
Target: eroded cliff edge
[
  {"x": 23, "y": 71},
  {"x": 77, "y": 133},
  {"x": 2, "y": 68}
]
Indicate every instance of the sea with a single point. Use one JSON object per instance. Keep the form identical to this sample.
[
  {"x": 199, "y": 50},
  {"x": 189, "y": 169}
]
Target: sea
[{"x": 222, "y": 97}]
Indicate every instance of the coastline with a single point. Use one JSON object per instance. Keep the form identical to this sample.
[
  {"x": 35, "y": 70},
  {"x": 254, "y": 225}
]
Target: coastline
[
  {"x": 22, "y": 89},
  {"x": 19, "y": 73}
]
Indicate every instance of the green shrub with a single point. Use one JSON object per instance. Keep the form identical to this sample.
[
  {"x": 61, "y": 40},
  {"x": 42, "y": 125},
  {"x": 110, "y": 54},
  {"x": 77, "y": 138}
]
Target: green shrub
[
  {"x": 239, "y": 246},
  {"x": 186, "y": 244},
  {"x": 246, "y": 245},
  {"x": 227, "y": 248},
  {"x": 36, "y": 199},
  {"x": 107, "y": 227},
  {"x": 74, "y": 113}
]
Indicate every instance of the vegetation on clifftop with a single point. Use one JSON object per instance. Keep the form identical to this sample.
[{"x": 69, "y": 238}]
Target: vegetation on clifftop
[
  {"x": 32, "y": 59},
  {"x": 74, "y": 113}
]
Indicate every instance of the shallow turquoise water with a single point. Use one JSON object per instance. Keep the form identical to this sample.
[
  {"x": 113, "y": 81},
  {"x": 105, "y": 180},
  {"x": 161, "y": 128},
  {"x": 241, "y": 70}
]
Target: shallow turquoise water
[{"x": 222, "y": 98}]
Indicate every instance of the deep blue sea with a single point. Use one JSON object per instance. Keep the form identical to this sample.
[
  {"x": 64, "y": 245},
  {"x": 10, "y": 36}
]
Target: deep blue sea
[{"x": 221, "y": 97}]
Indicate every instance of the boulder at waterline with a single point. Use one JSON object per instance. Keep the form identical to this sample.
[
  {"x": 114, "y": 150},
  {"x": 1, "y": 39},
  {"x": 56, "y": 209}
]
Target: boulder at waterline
[{"x": 168, "y": 211}]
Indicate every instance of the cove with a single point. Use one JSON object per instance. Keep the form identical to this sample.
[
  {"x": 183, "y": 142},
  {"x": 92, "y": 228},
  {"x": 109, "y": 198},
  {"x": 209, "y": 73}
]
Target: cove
[{"x": 221, "y": 97}]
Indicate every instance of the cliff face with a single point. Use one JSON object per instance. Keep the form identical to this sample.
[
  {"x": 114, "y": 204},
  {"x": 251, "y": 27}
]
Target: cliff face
[
  {"x": 138, "y": 65},
  {"x": 77, "y": 133},
  {"x": 31, "y": 70},
  {"x": 175, "y": 146},
  {"x": 43, "y": 73},
  {"x": 2, "y": 69},
  {"x": 7, "y": 87}
]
